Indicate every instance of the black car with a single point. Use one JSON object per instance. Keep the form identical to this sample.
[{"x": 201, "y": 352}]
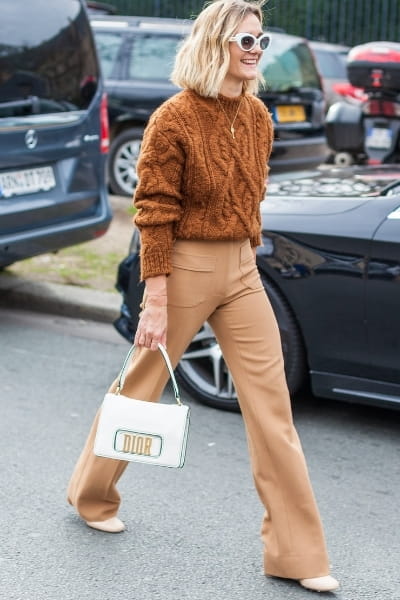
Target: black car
[
  {"x": 137, "y": 56},
  {"x": 53, "y": 130},
  {"x": 330, "y": 264}
]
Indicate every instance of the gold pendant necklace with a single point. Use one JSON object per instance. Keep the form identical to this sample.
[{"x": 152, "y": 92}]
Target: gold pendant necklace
[{"x": 231, "y": 127}]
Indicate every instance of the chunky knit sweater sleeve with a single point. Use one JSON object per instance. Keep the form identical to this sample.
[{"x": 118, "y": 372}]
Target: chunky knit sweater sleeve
[{"x": 158, "y": 196}]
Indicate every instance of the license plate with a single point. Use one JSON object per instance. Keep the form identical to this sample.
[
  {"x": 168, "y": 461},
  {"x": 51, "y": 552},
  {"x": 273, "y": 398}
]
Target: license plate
[
  {"x": 291, "y": 113},
  {"x": 379, "y": 138},
  {"x": 27, "y": 181}
]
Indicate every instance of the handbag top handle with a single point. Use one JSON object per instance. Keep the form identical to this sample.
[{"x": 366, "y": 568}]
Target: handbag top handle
[{"x": 122, "y": 374}]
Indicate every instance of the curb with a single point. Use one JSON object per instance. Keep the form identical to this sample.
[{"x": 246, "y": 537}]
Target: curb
[{"x": 59, "y": 299}]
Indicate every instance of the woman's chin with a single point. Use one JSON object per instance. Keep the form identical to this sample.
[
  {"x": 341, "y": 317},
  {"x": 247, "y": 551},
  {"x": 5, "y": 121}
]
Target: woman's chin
[{"x": 250, "y": 74}]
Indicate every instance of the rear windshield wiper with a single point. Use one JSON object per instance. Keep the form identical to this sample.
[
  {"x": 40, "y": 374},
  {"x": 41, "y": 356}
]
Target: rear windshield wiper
[
  {"x": 38, "y": 105},
  {"x": 32, "y": 102}
]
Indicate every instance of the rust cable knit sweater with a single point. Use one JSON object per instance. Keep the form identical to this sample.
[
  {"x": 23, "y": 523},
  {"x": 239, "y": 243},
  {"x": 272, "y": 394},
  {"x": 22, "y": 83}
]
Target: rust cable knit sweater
[{"x": 195, "y": 180}]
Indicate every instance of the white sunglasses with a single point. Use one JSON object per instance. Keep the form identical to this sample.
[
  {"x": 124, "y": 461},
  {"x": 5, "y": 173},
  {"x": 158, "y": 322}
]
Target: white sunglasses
[{"x": 248, "y": 41}]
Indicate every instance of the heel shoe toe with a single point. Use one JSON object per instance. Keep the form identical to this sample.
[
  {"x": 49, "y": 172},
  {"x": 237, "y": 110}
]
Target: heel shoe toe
[
  {"x": 113, "y": 525},
  {"x": 320, "y": 584}
]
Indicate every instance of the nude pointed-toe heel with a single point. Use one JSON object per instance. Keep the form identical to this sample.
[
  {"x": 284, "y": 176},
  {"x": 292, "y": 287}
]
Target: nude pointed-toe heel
[
  {"x": 113, "y": 525},
  {"x": 320, "y": 584}
]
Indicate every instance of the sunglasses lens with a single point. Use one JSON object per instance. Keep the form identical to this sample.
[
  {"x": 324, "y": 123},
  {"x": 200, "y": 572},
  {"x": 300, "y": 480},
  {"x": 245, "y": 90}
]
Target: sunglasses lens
[
  {"x": 247, "y": 42},
  {"x": 264, "y": 42}
]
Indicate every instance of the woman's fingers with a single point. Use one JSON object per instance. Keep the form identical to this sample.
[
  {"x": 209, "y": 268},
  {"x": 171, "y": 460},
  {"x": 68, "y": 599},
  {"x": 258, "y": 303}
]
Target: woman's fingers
[
  {"x": 152, "y": 327},
  {"x": 153, "y": 345}
]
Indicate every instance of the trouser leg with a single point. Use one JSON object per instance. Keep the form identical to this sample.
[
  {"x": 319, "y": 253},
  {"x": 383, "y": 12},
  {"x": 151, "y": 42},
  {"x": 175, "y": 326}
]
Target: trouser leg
[
  {"x": 292, "y": 532},
  {"x": 92, "y": 489}
]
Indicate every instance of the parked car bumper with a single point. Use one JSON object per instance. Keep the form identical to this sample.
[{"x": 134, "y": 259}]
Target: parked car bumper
[{"x": 27, "y": 243}]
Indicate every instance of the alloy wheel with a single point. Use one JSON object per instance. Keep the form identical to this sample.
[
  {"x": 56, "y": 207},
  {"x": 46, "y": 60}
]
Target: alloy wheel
[
  {"x": 124, "y": 165},
  {"x": 204, "y": 365}
]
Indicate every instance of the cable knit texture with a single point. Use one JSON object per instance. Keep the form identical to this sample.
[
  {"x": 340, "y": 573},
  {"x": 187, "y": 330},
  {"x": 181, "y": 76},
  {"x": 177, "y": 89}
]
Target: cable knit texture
[{"x": 196, "y": 181}]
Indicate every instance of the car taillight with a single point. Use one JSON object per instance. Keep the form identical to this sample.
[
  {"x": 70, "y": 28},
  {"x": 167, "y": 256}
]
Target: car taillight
[
  {"x": 389, "y": 109},
  {"x": 373, "y": 108},
  {"x": 104, "y": 128},
  {"x": 378, "y": 108}
]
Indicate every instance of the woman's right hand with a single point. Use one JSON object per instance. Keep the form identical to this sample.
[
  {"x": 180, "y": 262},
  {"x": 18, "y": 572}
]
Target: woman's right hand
[{"x": 152, "y": 327}]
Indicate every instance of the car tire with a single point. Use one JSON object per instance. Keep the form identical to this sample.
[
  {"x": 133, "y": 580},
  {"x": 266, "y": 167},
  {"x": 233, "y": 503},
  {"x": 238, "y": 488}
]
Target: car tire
[
  {"x": 202, "y": 370},
  {"x": 122, "y": 161}
]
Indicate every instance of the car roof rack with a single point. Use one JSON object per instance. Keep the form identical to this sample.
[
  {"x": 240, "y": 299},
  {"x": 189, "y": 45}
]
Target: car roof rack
[{"x": 163, "y": 25}]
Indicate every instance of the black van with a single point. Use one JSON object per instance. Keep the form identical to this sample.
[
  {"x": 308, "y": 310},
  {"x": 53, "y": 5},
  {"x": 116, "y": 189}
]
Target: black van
[{"x": 53, "y": 129}]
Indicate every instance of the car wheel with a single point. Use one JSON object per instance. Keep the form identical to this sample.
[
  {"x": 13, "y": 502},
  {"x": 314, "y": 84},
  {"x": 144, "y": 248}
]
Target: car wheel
[
  {"x": 122, "y": 161},
  {"x": 202, "y": 370}
]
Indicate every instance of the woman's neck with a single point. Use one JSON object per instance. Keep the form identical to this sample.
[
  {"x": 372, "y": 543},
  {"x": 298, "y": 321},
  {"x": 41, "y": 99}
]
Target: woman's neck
[{"x": 231, "y": 89}]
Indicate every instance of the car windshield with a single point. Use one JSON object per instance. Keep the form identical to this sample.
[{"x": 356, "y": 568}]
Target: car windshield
[
  {"x": 152, "y": 56},
  {"x": 288, "y": 64},
  {"x": 48, "y": 68}
]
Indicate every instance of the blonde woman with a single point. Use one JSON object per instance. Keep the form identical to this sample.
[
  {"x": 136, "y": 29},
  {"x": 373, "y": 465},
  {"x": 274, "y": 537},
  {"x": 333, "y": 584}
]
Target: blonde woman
[{"x": 202, "y": 173}]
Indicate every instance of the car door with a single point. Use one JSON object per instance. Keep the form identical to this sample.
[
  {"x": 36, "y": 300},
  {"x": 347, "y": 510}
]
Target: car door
[{"x": 383, "y": 300}]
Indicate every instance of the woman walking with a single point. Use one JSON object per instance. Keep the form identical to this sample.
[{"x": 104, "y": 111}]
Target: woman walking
[{"x": 202, "y": 176}]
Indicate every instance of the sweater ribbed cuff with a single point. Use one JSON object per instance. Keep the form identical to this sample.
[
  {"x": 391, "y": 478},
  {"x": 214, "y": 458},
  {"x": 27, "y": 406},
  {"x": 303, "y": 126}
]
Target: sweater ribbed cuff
[
  {"x": 155, "y": 263},
  {"x": 255, "y": 241}
]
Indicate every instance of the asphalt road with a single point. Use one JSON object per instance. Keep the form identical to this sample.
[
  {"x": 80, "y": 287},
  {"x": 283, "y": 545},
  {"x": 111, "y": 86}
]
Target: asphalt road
[{"x": 191, "y": 533}]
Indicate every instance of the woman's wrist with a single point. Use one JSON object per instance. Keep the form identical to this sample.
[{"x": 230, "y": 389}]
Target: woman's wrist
[
  {"x": 156, "y": 295},
  {"x": 158, "y": 300},
  {"x": 156, "y": 286}
]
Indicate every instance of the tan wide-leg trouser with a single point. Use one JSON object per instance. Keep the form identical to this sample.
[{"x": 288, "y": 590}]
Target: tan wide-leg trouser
[{"x": 218, "y": 282}]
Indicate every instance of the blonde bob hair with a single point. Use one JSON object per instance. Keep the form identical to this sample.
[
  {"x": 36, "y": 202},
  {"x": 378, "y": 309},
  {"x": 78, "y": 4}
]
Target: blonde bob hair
[{"x": 202, "y": 61}]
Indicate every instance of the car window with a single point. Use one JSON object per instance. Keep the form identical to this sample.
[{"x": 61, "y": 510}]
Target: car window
[
  {"x": 152, "y": 56},
  {"x": 108, "y": 45},
  {"x": 289, "y": 64},
  {"x": 332, "y": 65},
  {"x": 51, "y": 67}
]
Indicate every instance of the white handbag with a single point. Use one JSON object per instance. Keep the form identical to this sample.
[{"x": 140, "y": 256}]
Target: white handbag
[{"x": 140, "y": 431}]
